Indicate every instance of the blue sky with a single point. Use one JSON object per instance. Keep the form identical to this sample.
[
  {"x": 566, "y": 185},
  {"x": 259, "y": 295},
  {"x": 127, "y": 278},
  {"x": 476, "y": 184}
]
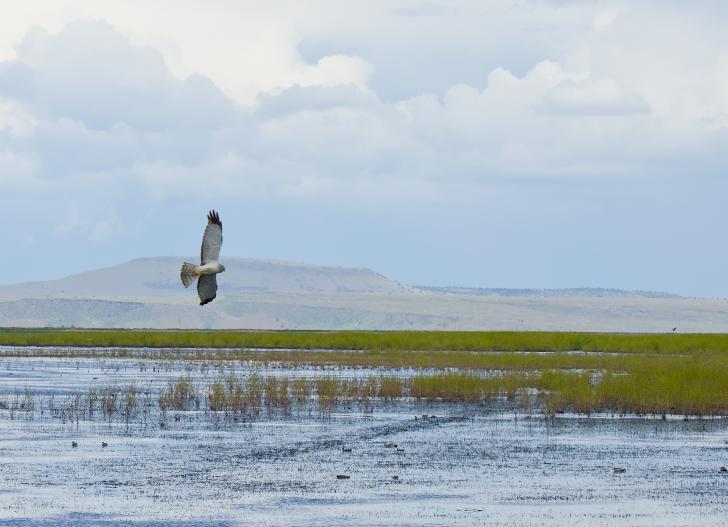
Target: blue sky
[{"x": 504, "y": 143}]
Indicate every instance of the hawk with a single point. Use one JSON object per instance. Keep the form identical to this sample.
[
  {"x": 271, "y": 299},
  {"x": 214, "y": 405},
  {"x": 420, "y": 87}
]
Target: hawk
[{"x": 209, "y": 266}]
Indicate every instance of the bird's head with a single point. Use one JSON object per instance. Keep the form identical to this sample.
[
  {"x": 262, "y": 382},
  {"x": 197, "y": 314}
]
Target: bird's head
[{"x": 222, "y": 268}]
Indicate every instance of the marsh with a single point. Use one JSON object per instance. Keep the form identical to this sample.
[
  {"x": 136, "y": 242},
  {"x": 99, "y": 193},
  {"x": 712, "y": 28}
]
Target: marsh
[{"x": 465, "y": 464}]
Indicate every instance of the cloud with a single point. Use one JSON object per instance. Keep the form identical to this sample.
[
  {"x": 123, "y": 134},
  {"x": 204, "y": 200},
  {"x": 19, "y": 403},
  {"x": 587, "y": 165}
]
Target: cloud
[
  {"x": 603, "y": 19},
  {"x": 91, "y": 74},
  {"x": 16, "y": 172},
  {"x": 102, "y": 133},
  {"x": 335, "y": 70},
  {"x": 595, "y": 97},
  {"x": 423, "y": 8},
  {"x": 313, "y": 98},
  {"x": 88, "y": 103}
]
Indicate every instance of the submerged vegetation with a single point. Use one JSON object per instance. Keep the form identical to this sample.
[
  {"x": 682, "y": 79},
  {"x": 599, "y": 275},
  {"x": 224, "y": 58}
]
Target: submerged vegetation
[{"x": 544, "y": 372}]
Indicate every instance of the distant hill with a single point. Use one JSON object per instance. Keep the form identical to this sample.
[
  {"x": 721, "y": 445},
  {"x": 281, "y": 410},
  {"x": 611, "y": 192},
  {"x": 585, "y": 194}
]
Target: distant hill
[
  {"x": 265, "y": 294},
  {"x": 159, "y": 277},
  {"x": 593, "y": 292}
]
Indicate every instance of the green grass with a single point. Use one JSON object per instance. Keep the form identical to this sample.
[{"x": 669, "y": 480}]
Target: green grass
[
  {"x": 618, "y": 373},
  {"x": 374, "y": 340}
]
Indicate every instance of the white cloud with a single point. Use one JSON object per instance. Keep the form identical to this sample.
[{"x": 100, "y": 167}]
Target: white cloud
[
  {"x": 603, "y": 19},
  {"x": 90, "y": 73},
  {"x": 16, "y": 172},
  {"x": 14, "y": 120},
  {"x": 101, "y": 114},
  {"x": 245, "y": 49},
  {"x": 598, "y": 97},
  {"x": 423, "y": 8},
  {"x": 334, "y": 70},
  {"x": 89, "y": 101}
]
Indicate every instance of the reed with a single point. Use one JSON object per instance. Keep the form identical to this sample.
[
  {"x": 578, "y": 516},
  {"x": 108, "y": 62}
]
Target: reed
[
  {"x": 326, "y": 392},
  {"x": 283, "y": 396},
  {"x": 129, "y": 404},
  {"x": 301, "y": 390},
  {"x": 643, "y": 374},
  {"x": 108, "y": 401},
  {"x": 390, "y": 388},
  {"x": 699, "y": 389},
  {"x": 373, "y": 340},
  {"x": 216, "y": 397}
]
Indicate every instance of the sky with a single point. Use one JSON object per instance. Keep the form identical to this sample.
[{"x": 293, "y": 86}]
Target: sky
[{"x": 489, "y": 143}]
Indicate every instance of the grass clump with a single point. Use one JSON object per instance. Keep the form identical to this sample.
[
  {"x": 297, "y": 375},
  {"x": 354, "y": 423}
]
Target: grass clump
[
  {"x": 301, "y": 391},
  {"x": 451, "y": 387},
  {"x": 179, "y": 395},
  {"x": 390, "y": 388},
  {"x": 327, "y": 390}
]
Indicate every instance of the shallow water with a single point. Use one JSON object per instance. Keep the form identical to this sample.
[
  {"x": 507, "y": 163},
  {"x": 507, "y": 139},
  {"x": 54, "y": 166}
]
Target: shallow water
[
  {"x": 44, "y": 375},
  {"x": 466, "y": 467}
]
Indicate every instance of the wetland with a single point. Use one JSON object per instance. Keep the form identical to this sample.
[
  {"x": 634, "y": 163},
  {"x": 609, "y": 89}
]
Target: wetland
[{"x": 581, "y": 429}]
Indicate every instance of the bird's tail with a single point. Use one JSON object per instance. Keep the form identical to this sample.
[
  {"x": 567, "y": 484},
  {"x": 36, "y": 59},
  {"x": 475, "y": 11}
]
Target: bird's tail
[{"x": 187, "y": 274}]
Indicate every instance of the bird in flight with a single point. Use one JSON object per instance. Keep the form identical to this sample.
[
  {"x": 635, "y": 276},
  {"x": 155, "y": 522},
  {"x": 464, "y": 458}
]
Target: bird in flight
[{"x": 209, "y": 266}]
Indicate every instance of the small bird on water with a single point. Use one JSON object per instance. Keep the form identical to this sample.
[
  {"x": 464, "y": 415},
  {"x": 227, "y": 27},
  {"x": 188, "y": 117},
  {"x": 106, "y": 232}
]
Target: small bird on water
[
  {"x": 104, "y": 444},
  {"x": 209, "y": 266}
]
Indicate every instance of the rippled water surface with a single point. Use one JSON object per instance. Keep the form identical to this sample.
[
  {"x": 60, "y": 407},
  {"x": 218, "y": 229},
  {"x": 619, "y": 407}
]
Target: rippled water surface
[{"x": 466, "y": 466}]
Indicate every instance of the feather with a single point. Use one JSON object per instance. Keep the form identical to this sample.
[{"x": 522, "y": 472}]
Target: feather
[
  {"x": 212, "y": 239},
  {"x": 207, "y": 288}
]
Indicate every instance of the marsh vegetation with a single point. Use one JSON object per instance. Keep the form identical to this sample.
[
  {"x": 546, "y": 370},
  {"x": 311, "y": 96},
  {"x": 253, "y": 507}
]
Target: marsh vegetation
[
  {"x": 543, "y": 372},
  {"x": 373, "y": 340}
]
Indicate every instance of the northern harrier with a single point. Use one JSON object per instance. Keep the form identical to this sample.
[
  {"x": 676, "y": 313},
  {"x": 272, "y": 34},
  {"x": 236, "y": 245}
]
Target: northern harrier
[{"x": 209, "y": 266}]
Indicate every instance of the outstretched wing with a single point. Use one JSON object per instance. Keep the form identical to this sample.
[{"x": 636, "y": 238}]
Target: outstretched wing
[
  {"x": 212, "y": 239},
  {"x": 207, "y": 288}
]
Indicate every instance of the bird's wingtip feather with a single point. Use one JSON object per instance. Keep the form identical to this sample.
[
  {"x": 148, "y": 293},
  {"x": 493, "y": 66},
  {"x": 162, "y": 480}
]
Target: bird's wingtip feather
[
  {"x": 206, "y": 301},
  {"x": 214, "y": 217}
]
